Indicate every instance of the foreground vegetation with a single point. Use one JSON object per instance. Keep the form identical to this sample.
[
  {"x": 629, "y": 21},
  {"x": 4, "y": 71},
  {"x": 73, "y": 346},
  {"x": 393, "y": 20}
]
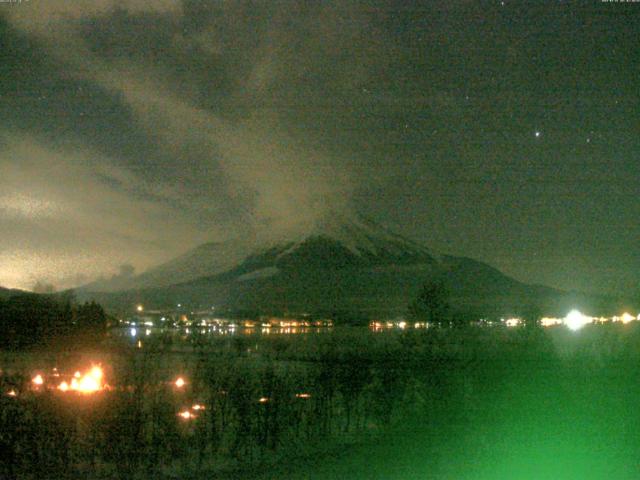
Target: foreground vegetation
[
  {"x": 29, "y": 319},
  {"x": 260, "y": 403}
]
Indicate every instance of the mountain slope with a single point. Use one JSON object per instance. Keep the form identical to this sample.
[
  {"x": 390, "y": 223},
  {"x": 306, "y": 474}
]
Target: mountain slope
[
  {"x": 8, "y": 292},
  {"x": 206, "y": 259},
  {"x": 348, "y": 267},
  {"x": 358, "y": 236}
]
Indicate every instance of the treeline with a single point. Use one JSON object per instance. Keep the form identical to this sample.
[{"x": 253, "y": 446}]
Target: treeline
[{"x": 29, "y": 319}]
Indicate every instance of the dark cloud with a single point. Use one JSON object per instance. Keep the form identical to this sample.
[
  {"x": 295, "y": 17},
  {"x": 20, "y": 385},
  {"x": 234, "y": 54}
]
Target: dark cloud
[{"x": 199, "y": 119}]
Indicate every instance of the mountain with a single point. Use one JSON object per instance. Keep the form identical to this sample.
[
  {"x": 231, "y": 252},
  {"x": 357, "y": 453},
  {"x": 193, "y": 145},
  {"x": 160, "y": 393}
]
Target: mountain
[
  {"x": 359, "y": 236},
  {"x": 345, "y": 267},
  {"x": 9, "y": 292},
  {"x": 207, "y": 259}
]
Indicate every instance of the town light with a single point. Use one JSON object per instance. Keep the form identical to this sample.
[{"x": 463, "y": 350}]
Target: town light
[
  {"x": 179, "y": 382},
  {"x": 627, "y": 317},
  {"x": 550, "y": 321},
  {"x": 575, "y": 320},
  {"x": 512, "y": 322}
]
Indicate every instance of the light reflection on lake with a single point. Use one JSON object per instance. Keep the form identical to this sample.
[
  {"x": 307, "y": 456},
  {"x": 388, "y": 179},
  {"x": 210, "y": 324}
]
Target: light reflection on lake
[{"x": 188, "y": 332}]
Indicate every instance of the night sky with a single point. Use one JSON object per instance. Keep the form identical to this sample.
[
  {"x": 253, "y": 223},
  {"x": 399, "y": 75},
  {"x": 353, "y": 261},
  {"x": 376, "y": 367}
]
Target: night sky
[{"x": 133, "y": 130}]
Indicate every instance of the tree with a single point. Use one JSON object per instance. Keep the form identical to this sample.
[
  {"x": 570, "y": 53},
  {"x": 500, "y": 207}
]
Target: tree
[
  {"x": 90, "y": 320},
  {"x": 28, "y": 319},
  {"x": 531, "y": 315},
  {"x": 432, "y": 304}
]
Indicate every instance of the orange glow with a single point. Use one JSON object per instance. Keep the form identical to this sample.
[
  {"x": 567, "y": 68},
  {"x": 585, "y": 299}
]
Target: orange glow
[
  {"x": 303, "y": 395},
  {"x": 186, "y": 414},
  {"x": 180, "y": 382},
  {"x": 38, "y": 380},
  {"x": 96, "y": 372},
  {"x": 263, "y": 400},
  {"x": 12, "y": 393},
  {"x": 198, "y": 407},
  {"x": 90, "y": 382}
]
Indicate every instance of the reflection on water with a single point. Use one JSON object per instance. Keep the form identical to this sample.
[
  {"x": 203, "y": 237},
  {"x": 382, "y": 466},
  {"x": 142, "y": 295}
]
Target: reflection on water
[{"x": 187, "y": 332}]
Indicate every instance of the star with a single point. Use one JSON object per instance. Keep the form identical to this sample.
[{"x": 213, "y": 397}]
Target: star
[{"x": 538, "y": 134}]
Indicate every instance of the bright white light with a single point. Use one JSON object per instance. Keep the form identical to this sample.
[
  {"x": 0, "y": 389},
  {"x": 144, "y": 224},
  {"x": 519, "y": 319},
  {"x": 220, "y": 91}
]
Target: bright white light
[
  {"x": 550, "y": 321},
  {"x": 512, "y": 322},
  {"x": 133, "y": 332},
  {"x": 179, "y": 382},
  {"x": 38, "y": 380},
  {"x": 576, "y": 320},
  {"x": 627, "y": 317}
]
